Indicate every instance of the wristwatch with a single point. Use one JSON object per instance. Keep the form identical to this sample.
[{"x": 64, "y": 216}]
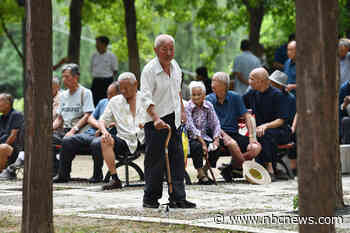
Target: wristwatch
[{"x": 76, "y": 129}]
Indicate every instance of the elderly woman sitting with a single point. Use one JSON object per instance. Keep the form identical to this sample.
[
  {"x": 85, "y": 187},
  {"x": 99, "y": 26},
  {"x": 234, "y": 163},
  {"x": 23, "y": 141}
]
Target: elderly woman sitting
[{"x": 203, "y": 128}]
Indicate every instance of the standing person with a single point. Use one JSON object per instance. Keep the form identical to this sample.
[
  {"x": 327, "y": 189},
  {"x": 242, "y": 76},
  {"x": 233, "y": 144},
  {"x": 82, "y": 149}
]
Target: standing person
[
  {"x": 161, "y": 90},
  {"x": 344, "y": 60},
  {"x": 290, "y": 67},
  {"x": 103, "y": 68},
  {"x": 243, "y": 64},
  {"x": 281, "y": 54}
]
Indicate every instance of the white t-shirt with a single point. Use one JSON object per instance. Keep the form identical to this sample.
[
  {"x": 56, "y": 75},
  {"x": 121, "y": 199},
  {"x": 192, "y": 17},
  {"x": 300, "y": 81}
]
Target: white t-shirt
[
  {"x": 74, "y": 106},
  {"x": 103, "y": 65}
]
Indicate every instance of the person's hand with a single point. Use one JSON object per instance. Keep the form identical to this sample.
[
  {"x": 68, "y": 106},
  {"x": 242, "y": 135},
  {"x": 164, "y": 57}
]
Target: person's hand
[
  {"x": 254, "y": 148},
  {"x": 69, "y": 133},
  {"x": 97, "y": 133},
  {"x": 159, "y": 124},
  {"x": 107, "y": 138},
  {"x": 346, "y": 100},
  {"x": 217, "y": 143},
  {"x": 291, "y": 87},
  {"x": 260, "y": 130}
]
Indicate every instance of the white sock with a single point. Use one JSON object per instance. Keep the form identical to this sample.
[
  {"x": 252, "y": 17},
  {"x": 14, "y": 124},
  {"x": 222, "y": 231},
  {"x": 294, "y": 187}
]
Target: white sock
[{"x": 21, "y": 155}]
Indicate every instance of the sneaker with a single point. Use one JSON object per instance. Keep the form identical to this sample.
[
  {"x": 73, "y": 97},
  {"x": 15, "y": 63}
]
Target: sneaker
[
  {"x": 7, "y": 174},
  {"x": 18, "y": 164},
  {"x": 113, "y": 184},
  {"x": 151, "y": 205},
  {"x": 184, "y": 204}
]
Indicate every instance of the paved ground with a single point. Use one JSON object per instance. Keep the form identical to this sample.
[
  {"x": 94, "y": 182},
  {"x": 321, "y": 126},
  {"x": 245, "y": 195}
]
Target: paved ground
[{"x": 215, "y": 204}]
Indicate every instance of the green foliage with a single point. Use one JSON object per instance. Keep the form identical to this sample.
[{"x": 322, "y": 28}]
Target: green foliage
[{"x": 18, "y": 104}]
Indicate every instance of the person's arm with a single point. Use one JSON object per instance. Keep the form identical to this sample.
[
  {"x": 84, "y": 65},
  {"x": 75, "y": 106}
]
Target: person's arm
[
  {"x": 183, "y": 114},
  {"x": 241, "y": 78},
  {"x": 92, "y": 121},
  {"x": 291, "y": 87},
  {"x": 58, "y": 122},
  {"x": 61, "y": 62},
  {"x": 295, "y": 122},
  {"x": 81, "y": 123},
  {"x": 260, "y": 130},
  {"x": 12, "y": 138},
  {"x": 106, "y": 136},
  {"x": 251, "y": 126}
]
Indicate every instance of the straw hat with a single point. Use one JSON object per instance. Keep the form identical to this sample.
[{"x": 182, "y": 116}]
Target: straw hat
[
  {"x": 279, "y": 78},
  {"x": 254, "y": 173}
]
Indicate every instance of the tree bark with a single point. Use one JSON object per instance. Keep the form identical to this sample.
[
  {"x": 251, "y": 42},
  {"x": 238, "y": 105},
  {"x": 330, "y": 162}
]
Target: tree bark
[
  {"x": 256, "y": 15},
  {"x": 75, "y": 12},
  {"x": 131, "y": 34},
  {"x": 37, "y": 184},
  {"x": 318, "y": 147}
]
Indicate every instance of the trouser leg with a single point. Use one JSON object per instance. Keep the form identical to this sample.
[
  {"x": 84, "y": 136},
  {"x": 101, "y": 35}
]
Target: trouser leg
[
  {"x": 96, "y": 153},
  {"x": 196, "y": 152}
]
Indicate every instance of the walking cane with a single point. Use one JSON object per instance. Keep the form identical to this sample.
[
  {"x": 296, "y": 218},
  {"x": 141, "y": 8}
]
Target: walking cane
[
  {"x": 210, "y": 170},
  {"x": 170, "y": 185}
]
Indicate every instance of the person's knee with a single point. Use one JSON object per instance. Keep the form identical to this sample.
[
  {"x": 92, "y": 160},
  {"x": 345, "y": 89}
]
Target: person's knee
[{"x": 5, "y": 150}]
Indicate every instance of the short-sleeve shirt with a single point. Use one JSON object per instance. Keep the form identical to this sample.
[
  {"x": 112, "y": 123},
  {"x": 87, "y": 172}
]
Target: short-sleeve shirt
[
  {"x": 100, "y": 108},
  {"x": 229, "y": 112},
  {"x": 103, "y": 65},
  {"x": 162, "y": 90},
  {"x": 344, "y": 69},
  {"x": 290, "y": 71},
  {"x": 11, "y": 121},
  {"x": 75, "y": 106},
  {"x": 244, "y": 64},
  {"x": 267, "y": 106}
]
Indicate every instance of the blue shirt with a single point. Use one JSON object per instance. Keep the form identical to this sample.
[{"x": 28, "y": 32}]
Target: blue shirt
[
  {"x": 290, "y": 70},
  {"x": 100, "y": 108},
  {"x": 344, "y": 69},
  {"x": 344, "y": 91},
  {"x": 10, "y": 121},
  {"x": 267, "y": 106},
  {"x": 229, "y": 112}
]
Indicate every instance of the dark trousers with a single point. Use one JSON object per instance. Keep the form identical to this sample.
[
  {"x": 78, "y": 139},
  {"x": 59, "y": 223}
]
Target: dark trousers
[
  {"x": 196, "y": 152},
  {"x": 293, "y": 151},
  {"x": 155, "y": 161},
  {"x": 79, "y": 144},
  {"x": 345, "y": 130},
  {"x": 269, "y": 142},
  {"x": 57, "y": 138},
  {"x": 99, "y": 88}
]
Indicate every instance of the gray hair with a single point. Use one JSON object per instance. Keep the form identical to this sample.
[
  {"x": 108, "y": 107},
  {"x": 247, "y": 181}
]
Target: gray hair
[
  {"x": 116, "y": 85},
  {"x": 195, "y": 84},
  {"x": 74, "y": 69},
  {"x": 127, "y": 76},
  {"x": 8, "y": 97},
  {"x": 56, "y": 80},
  {"x": 222, "y": 77},
  {"x": 161, "y": 38},
  {"x": 344, "y": 42}
]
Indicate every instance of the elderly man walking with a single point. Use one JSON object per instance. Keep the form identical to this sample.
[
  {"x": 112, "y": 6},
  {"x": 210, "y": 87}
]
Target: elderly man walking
[{"x": 161, "y": 90}]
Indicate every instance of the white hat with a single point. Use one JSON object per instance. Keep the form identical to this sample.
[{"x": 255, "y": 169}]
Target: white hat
[
  {"x": 279, "y": 78},
  {"x": 254, "y": 173}
]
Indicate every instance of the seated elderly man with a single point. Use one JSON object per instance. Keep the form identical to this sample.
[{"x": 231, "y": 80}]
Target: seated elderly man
[
  {"x": 75, "y": 107},
  {"x": 10, "y": 123},
  {"x": 229, "y": 108},
  {"x": 83, "y": 142},
  {"x": 10, "y": 171},
  {"x": 128, "y": 114},
  {"x": 203, "y": 127},
  {"x": 271, "y": 113}
]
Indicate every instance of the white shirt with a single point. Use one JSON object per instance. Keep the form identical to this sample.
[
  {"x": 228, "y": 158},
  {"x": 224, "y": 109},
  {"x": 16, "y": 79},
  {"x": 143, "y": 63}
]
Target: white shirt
[
  {"x": 160, "y": 90},
  {"x": 74, "y": 106},
  {"x": 103, "y": 65},
  {"x": 118, "y": 111}
]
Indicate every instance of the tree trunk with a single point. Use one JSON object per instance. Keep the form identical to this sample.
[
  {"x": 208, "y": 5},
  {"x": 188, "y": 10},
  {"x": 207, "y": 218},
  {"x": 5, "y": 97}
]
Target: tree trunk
[
  {"x": 37, "y": 184},
  {"x": 131, "y": 34},
  {"x": 318, "y": 147},
  {"x": 256, "y": 15},
  {"x": 347, "y": 30},
  {"x": 75, "y": 11}
]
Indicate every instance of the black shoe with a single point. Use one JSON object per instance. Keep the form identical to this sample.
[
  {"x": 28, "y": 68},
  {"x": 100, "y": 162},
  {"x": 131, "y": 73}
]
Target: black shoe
[
  {"x": 280, "y": 175},
  {"x": 273, "y": 177},
  {"x": 184, "y": 204},
  {"x": 151, "y": 205},
  {"x": 95, "y": 179},
  {"x": 59, "y": 179},
  {"x": 113, "y": 184},
  {"x": 223, "y": 166},
  {"x": 227, "y": 173},
  {"x": 237, "y": 173}
]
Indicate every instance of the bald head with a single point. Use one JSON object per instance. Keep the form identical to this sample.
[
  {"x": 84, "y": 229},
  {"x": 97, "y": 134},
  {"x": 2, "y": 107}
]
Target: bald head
[
  {"x": 260, "y": 73},
  {"x": 259, "y": 79}
]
